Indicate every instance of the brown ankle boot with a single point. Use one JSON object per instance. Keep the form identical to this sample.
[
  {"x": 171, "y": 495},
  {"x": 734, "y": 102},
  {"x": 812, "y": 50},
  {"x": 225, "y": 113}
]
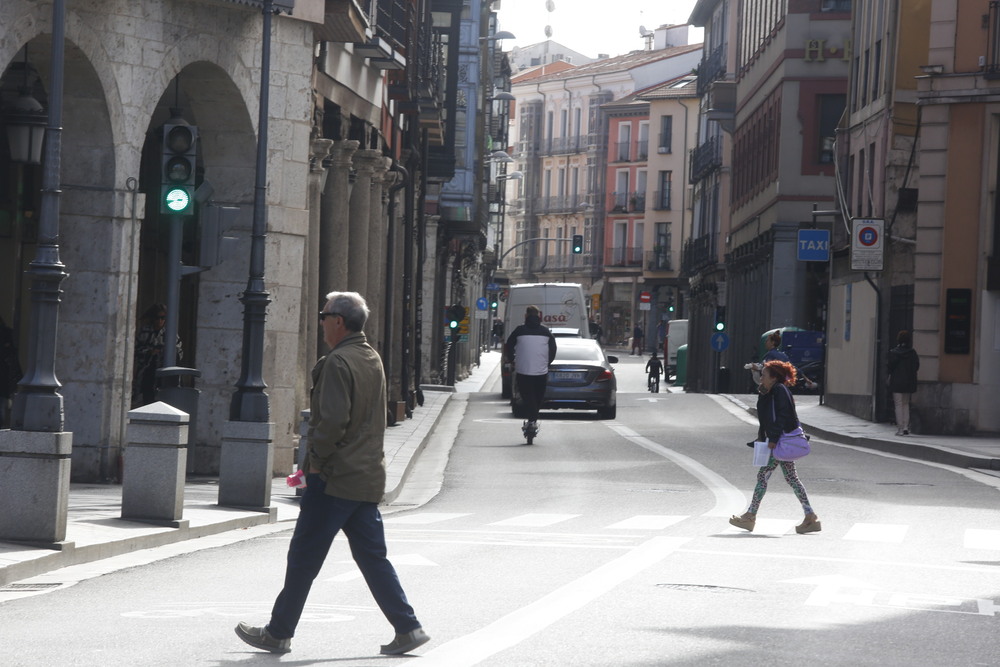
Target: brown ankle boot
[
  {"x": 810, "y": 524},
  {"x": 746, "y": 522}
]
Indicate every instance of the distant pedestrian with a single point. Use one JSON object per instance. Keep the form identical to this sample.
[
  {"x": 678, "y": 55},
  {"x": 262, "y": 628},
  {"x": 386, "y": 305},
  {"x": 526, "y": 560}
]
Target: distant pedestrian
[
  {"x": 532, "y": 347},
  {"x": 776, "y": 415},
  {"x": 595, "y": 331},
  {"x": 904, "y": 362},
  {"x": 149, "y": 354},
  {"x": 344, "y": 484},
  {"x": 774, "y": 353},
  {"x": 636, "y": 341},
  {"x": 497, "y": 333}
]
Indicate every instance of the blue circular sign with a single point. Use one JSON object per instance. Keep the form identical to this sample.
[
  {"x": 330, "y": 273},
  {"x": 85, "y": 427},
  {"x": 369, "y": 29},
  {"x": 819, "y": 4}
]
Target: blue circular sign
[
  {"x": 720, "y": 341},
  {"x": 481, "y": 303},
  {"x": 868, "y": 236}
]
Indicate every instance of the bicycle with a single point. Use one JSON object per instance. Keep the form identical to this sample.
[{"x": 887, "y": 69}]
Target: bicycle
[{"x": 653, "y": 383}]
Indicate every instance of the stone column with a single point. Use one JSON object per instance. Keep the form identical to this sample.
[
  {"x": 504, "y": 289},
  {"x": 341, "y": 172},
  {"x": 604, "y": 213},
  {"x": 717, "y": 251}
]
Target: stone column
[
  {"x": 377, "y": 231},
  {"x": 365, "y": 164},
  {"x": 311, "y": 286},
  {"x": 333, "y": 260},
  {"x": 429, "y": 328},
  {"x": 34, "y": 486},
  {"x": 155, "y": 462}
]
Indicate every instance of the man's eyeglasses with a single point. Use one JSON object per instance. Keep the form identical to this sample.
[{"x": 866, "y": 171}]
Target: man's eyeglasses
[{"x": 323, "y": 315}]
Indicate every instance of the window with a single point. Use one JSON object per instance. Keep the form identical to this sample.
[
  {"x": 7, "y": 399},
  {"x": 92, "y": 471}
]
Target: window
[
  {"x": 663, "y": 190},
  {"x": 666, "y": 134},
  {"x": 830, "y": 108},
  {"x": 836, "y": 6}
]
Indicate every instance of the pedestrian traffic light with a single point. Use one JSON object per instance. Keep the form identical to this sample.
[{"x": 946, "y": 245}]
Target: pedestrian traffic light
[
  {"x": 180, "y": 152},
  {"x": 577, "y": 244},
  {"x": 493, "y": 302},
  {"x": 720, "y": 318}
]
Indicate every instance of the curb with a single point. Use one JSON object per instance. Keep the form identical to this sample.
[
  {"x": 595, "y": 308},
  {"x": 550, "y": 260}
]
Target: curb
[{"x": 911, "y": 450}]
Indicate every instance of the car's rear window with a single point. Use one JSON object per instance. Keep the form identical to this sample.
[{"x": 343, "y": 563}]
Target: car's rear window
[{"x": 579, "y": 353}]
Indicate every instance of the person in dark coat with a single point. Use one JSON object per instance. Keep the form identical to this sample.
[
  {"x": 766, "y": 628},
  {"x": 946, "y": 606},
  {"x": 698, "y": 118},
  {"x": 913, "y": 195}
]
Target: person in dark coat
[{"x": 904, "y": 362}]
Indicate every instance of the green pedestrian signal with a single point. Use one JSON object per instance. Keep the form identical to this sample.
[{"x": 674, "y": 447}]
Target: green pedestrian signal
[{"x": 180, "y": 153}]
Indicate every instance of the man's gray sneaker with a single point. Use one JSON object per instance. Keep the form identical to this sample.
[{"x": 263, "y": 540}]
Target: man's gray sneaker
[
  {"x": 262, "y": 639},
  {"x": 406, "y": 642}
]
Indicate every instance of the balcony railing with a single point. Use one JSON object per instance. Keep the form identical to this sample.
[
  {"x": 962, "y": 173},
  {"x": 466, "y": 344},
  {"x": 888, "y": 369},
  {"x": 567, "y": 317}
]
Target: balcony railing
[
  {"x": 563, "y": 145},
  {"x": 705, "y": 159},
  {"x": 711, "y": 68},
  {"x": 561, "y": 204},
  {"x": 661, "y": 200},
  {"x": 658, "y": 260},
  {"x": 642, "y": 149},
  {"x": 623, "y": 257},
  {"x": 626, "y": 202},
  {"x": 699, "y": 253},
  {"x": 622, "y": 152}
]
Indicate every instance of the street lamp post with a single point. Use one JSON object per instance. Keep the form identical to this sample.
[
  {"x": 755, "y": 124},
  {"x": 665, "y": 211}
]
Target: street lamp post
[
  {"x": 250, "y": 402},
  {"x": 34, "y": 479},
  {"x": 38, "y": 405}
]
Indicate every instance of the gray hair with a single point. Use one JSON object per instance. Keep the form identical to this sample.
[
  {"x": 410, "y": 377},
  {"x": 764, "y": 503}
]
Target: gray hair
[{"x": 351, "y": 306}]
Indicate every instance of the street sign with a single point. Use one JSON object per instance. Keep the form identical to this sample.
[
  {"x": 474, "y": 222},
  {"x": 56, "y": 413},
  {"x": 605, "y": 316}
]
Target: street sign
[
  {"x": 814, "y": 245},
  {"x": 866, "y": 244},
  {"x": 720, "y": 341},
  {"x": 482, "y": 303},
  {"x": 644, "y": 297}
]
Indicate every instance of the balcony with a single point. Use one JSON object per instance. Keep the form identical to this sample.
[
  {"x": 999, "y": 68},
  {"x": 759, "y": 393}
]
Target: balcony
[
  {"x": 563, "y": 145},
  {"x": 706, "y": 159},
  {"x": 623, "y": 257},
  {"x": 711, "y": 68},
  {"x": 561, "y": 204},
  {"x": 626, "y": 202},
  {"x": 661, "y": 200},
  {"x": 344, "y": 21},
  {"x": 642, "y": 149},
  {"x": 658, "y": 260},
  {"x": 699, "y": 253},
  {"x": 623, "y": 152}
]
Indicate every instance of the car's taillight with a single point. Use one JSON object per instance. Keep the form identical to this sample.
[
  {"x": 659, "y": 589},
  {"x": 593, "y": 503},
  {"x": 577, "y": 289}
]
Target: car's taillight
[{"x": 605, "y": 376}]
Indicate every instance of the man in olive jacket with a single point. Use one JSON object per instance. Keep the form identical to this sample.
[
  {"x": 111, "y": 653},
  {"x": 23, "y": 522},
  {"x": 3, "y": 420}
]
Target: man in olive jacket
[{"x": 344, "y": 484}]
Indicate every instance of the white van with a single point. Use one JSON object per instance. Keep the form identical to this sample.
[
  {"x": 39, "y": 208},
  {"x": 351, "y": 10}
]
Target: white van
[
  {"x": 563, "y": 306},
  {"x": 677, "y": 335}
]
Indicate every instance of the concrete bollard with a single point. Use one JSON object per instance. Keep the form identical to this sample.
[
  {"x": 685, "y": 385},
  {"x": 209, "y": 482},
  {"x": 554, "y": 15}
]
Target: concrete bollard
[
  {"x": 245, "y": 465},
  {"x": 34, "y": 486},
  {"x": 155, "y": 464}
]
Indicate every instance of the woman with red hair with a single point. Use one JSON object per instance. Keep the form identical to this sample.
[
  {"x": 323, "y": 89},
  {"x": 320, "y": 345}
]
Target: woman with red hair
[{"x": 776, "y": 414}]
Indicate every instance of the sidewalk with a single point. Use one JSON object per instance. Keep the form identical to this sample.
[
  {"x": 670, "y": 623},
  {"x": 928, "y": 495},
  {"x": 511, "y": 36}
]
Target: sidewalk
[
  {"x": 95, "y": 529},
  {"x": 980, "y": 452}
]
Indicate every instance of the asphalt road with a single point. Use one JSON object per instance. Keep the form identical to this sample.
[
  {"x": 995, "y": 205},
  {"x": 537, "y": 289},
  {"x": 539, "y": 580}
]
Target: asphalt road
[{"x": 604, "y": 543}]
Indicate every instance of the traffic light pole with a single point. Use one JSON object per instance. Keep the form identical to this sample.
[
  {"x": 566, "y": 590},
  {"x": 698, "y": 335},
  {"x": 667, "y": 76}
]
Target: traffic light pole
[{"x": 174, "y": 244}]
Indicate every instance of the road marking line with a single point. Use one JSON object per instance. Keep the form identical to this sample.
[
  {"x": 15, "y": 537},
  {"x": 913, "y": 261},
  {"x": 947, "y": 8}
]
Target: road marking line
[
  {"x": 979, "y": 538},
  {"x": 728, "y": 498},
  {"x": 890, "y": 533},
  {"x": 426, "y": 517},
  {"x": 521, "y": 624},
  {"x": 648, "y": 522},
  {"x": 536, "y": 520},
  {"x": 831, "y": 559}
]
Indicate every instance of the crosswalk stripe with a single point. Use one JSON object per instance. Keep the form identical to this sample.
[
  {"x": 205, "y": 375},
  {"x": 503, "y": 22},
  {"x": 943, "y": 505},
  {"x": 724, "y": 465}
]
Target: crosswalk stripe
[
  {"x": 535, "y": 520},
  {"x": 772, "y": 527},
  {"x": 979, "y": 538},
  {"x": 877, "y": 532},
  {"x": 425, "y": 518},
  {"x": 648, "y": 522}
]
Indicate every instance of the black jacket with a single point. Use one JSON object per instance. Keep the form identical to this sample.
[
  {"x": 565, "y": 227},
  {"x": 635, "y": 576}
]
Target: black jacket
[
  {"x": 903, "y": 365},
  {"x": 776, "y": 413}
]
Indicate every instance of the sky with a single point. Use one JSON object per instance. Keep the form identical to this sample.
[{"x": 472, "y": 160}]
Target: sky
[{"x": 590, "y": 26}]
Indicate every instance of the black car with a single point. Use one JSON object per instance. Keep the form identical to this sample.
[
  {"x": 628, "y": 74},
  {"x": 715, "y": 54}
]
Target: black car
[{"x": 580, "y": 378}]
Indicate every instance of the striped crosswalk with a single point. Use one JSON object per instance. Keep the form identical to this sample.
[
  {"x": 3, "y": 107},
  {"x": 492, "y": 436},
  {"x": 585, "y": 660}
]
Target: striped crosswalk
[{"x": 884, "y": 533}]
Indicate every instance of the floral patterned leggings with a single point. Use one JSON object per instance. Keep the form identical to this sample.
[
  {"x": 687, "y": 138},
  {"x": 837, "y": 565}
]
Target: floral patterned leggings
[{"x": 788, "y": 470}]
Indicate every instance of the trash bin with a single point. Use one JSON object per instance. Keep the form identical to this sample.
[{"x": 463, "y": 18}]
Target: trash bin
[
  {"x": 682, "y": 357},
  {"x": 175, "y": 386}
]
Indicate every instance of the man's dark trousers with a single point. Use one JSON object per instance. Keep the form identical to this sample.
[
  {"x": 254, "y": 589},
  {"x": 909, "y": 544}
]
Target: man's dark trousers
[
  {"x": 321, "y": 517},
  {"x": 532, "y": 390}
]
